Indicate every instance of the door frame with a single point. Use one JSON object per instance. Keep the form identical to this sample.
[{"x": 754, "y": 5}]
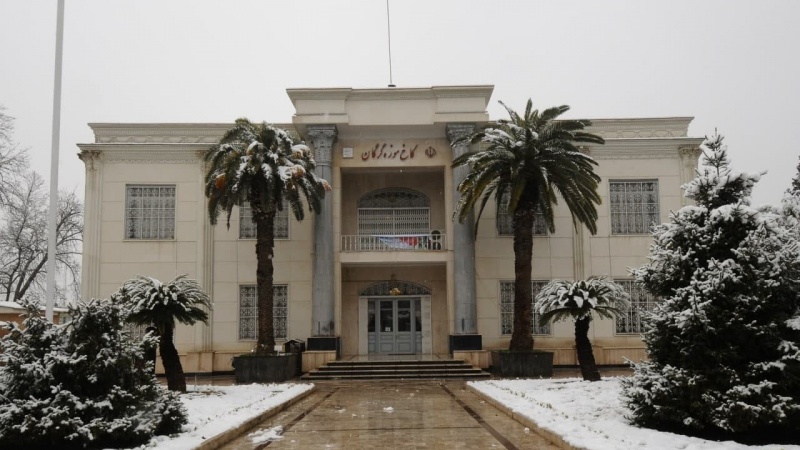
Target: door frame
[{"x": 425, "y": 306}]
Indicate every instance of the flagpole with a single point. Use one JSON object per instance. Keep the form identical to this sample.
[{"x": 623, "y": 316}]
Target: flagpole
[{"x": 53, "y": 211}]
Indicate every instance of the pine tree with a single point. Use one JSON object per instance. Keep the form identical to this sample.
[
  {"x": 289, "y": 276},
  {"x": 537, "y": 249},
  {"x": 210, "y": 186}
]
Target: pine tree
[
  {"x": 795, "y": 189},
  {"x": 83, "y": 384},
  {"x": 724, "y": 342}
]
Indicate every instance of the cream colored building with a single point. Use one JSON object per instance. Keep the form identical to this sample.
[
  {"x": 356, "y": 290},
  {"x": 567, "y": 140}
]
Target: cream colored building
[{"x": 383, "y": 269}]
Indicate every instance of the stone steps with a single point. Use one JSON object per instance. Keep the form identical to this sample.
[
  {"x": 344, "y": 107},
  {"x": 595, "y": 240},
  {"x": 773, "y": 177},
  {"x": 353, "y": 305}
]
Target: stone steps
[{"x": 404, "y": 369}]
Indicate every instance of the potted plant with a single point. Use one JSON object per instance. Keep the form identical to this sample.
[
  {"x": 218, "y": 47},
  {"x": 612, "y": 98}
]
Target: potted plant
[
  {"x": 261, "y": 166},
  {"x": 528, "y": 161}
]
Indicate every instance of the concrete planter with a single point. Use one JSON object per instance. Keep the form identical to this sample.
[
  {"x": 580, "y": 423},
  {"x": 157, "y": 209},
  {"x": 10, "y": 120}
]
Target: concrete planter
[
  {"x": 265, "y": 369},
  {"x": 530, "y": 364}
]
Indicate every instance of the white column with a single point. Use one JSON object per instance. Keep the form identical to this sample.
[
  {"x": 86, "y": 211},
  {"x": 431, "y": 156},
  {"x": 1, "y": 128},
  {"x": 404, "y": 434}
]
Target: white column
[
  {"x": 205, "y": 260},
  {"x": 689, "y": 156},
  {"x": 93, "y": 201},
  {"x": 466, "y": 312},
  {"x": 323, "y": 322}
]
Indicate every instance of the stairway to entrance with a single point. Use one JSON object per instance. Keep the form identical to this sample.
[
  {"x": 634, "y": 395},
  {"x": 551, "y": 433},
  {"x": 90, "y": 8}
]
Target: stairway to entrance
[{"x": 400, "y": 370}]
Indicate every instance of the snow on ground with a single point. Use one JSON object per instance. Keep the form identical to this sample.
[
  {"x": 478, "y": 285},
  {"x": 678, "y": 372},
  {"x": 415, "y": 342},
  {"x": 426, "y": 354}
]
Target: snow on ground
[
  {"x": 214, "y": 409},
  {"x": 590, "y": 415}
]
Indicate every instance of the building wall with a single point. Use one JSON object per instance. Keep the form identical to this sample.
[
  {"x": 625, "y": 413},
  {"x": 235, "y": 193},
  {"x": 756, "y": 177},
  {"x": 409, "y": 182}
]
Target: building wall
[{"x": 415, "y": 118}]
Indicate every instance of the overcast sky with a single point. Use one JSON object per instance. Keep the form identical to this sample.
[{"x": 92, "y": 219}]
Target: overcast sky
[{"x": 733, "y": 65}]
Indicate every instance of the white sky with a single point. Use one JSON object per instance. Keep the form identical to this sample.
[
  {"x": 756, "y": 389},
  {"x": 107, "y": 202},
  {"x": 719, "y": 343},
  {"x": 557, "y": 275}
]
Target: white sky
[{"x": 732, "y": 65}]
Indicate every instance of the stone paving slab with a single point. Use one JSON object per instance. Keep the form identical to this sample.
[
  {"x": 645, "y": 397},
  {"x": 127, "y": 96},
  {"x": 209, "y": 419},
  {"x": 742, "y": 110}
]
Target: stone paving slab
[{"x": 394, "y": 415}]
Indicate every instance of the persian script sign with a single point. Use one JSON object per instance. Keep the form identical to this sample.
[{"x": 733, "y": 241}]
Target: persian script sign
[{"x": 389, "y": 151}]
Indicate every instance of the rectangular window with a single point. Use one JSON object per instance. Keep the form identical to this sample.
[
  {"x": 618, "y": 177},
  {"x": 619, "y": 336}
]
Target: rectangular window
[
  {"x": 505, "y": 226},
  {"x": 247, "y": 228},
  {"x": 248, "y": 311},
  {"x": 150, "y": 212},
  {"x": 507, "y": 308},
  {"x": 641, "y": 302},
  {"x": 634, "y": 206}
]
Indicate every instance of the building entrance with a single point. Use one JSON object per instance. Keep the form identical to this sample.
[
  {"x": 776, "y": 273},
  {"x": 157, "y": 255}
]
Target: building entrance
[{"x": 394, "y": 325}]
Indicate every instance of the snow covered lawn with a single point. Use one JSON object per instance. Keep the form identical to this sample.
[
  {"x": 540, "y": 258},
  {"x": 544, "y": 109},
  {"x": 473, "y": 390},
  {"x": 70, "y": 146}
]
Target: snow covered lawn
[
  {"x": 214, "y": 409},
  {"x": 589, "y": 415}
]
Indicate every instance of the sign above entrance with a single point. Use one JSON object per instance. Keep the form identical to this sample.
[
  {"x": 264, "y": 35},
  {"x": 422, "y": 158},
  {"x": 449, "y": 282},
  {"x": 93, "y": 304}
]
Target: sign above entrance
[{"x": 383, "y": 150}]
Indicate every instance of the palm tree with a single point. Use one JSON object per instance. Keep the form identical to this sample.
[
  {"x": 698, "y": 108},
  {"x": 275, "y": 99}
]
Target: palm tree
[
  {"x": 529, "y": 159},
  {"x": 160, "y": 305},
  {"x": 560, "y": 300},
  {"x": 261, "y": 165}
]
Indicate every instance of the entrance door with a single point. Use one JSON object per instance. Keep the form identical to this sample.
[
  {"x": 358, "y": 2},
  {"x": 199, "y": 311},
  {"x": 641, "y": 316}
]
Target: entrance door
[{"x": 394, "y": 325}]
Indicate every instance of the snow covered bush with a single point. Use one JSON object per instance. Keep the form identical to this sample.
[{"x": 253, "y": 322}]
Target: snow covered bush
[
  {"x": 82, "y": 384},
  {"x": 724, "y": 341},
  {"x": 578, "y": 300},
  {"x": 151, "y": 302}
]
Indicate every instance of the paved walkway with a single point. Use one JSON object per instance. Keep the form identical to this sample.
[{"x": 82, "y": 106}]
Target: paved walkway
[{"x": 394, "y": 415}]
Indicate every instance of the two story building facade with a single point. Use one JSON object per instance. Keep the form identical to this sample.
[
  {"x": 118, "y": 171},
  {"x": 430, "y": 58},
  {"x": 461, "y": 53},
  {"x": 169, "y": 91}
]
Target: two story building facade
[{"x": 383, "y": 269}]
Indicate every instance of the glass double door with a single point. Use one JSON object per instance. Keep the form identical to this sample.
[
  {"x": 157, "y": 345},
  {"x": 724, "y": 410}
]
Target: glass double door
[{"x": 394, "y": 325}]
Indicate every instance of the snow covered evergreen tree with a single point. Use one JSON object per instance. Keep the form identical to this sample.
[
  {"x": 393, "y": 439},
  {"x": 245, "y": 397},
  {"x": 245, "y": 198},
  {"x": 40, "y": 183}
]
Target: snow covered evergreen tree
[
  {"x": 724, "y": 342},
  {"x": 795, "y": 189},
  {"x": 84, "y": 384}
]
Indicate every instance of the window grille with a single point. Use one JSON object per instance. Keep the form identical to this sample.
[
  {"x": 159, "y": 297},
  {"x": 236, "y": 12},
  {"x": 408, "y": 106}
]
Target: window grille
[
  {"x": 394, "y": 211},
  {"x": 634, "y": 206},
  {"x": 136, "y": 331},
  {"x": 247, "y": 228},
  {"x": 505, "y": 225},
  {"x": 507, "y": 308},
  {"x": 150, "y": 212},
  {"x": 641, "y": 303},
  {"x": 248, "y": 311}
]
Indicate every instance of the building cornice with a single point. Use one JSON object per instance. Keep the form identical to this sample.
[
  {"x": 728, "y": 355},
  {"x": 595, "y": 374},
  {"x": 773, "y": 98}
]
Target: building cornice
[
  {"x": 655, "y": 148},
  {"x": 161, "y": 153},
  {"x": 644, "y": 127},
  {"x": 172, "y": 133},
  {"x": 379, "y": 94}
]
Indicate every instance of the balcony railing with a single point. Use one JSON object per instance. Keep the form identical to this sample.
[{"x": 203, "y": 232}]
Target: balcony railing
[{"x": 394, "y": 242}]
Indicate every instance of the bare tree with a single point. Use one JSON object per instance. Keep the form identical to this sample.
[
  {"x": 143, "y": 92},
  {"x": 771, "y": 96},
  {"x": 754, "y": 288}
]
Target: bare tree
[
  {"x": 23, "y": 225},
  {"x": 13, "y": 160}
]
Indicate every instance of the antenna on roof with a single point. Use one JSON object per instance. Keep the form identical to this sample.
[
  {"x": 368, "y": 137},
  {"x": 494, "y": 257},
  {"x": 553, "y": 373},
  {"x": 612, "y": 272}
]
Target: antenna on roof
[{"x": 389, "y": 34}]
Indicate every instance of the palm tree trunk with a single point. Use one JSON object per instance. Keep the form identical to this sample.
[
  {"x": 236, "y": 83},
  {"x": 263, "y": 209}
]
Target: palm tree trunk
[
  {"x": 265, "y": 242},
  {"x": 584, "y": 348},
  {"x": 522, "y": 336},
  {"x": 176, "y": 381}
]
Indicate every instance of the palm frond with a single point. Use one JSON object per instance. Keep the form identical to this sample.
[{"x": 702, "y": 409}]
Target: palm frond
[
  {"x": 561, "y": 299},
  {"x": 151, "y": 302},
  {"x": 533, "y": 158}
]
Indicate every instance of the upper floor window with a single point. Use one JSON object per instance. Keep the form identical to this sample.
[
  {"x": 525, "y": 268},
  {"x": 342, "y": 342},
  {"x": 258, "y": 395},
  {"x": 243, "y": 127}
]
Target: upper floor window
[
  {"x": 641, "y": 302},
  {"x": 248, "y": 311},
  {"x": 505, "y": 225},
  {"x": 247, "y": 228},
  {"x": 634, "y": 206},
  {"x": 150, "y": 211},
  {"x": 507, "y": 307},
  {"x": 394, "y": 211}
]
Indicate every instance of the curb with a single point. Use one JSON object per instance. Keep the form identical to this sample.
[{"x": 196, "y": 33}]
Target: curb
[
  {"x": 555, "y": 439},
  {"x": 230, "y": 434}
]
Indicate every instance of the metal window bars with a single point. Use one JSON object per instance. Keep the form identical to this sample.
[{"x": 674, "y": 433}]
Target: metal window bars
[
  {"x": 507, "y": 308},
  {"x": 634, "y": 206},
  {"x": 248, "y": 311},
  {"x": 150, "y": 212}
]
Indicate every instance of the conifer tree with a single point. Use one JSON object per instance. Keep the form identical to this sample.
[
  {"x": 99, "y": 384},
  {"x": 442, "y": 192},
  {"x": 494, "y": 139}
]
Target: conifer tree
[
  {"x": 724, "y": 341},
  {"x": 84, "y": 384},
  {"x": 795, "y": 188}
]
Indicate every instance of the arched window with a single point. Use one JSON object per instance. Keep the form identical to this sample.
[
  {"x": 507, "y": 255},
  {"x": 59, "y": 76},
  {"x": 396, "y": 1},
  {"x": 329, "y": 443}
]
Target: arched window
[{"x": 394, "y": 211}]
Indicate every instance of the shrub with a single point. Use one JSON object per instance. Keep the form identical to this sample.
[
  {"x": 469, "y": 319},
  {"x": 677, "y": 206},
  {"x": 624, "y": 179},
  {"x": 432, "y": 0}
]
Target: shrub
[{"x": 81, "y": 384}]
